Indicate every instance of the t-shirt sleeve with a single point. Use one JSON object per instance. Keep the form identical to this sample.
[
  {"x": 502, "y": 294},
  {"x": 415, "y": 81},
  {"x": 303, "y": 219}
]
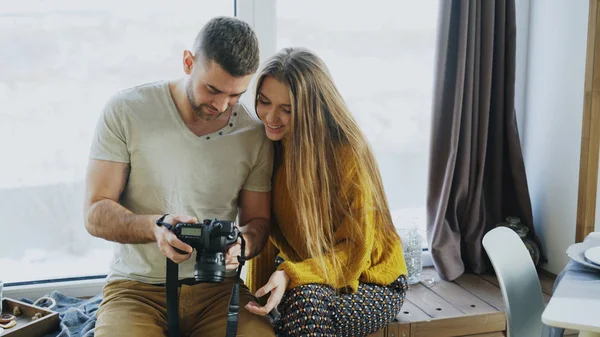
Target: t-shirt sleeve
[
  {"x": 110, "y": 137},
  {"x": 259, "y": 179}
]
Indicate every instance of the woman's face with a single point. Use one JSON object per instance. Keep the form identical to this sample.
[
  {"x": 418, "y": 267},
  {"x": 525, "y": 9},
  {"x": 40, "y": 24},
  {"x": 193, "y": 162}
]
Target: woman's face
[{"x": 274, "y": 108}]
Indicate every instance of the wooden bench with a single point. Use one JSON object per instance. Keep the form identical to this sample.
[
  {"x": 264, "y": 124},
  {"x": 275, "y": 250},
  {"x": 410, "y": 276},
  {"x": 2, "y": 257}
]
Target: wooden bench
[{"x": 470, "y": 306}]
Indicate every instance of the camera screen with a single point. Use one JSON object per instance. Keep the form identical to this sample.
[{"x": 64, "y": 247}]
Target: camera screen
[{"x": 191, "y": 231}]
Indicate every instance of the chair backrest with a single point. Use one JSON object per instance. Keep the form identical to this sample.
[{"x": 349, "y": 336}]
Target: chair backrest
[{"x": 518, "y": 280}]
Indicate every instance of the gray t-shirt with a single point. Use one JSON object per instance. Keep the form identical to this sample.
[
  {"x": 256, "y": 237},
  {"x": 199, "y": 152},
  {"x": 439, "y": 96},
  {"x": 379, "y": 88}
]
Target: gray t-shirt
[{"x": 174, "y": 171}]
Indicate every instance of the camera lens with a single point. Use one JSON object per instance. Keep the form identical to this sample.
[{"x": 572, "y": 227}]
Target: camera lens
[{"x": 210, "y": 267}]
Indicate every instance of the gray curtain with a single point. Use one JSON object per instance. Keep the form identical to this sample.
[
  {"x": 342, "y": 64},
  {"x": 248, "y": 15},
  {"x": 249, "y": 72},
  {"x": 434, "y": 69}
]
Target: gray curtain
[{"x": 476, "y": 171}]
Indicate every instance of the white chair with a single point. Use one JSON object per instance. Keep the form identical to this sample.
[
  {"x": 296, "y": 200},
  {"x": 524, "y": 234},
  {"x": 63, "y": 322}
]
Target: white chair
[{"x": 518, "y": 280}]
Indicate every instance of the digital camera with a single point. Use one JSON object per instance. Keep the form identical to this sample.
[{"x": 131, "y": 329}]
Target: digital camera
[{"x": 211, "y": 239}]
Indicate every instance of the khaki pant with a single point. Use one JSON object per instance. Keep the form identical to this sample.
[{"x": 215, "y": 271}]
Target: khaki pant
[{"x": 133, "y": 309}]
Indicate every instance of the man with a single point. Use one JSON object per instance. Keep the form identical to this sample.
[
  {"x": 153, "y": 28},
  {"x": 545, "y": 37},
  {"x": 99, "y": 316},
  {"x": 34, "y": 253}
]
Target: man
[{"x": 186, "y": 148}]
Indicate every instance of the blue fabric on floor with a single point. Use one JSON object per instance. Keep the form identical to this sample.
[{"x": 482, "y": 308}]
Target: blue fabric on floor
[{"x": 77, "y": 316}]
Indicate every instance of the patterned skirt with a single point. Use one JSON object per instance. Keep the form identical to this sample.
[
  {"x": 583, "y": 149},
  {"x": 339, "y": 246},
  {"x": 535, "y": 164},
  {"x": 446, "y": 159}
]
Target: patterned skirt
[{"x": 318, "y": 310}]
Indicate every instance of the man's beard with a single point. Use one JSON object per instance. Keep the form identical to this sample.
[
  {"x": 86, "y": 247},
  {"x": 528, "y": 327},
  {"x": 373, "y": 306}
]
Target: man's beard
[{"x": 200, "y": 109}]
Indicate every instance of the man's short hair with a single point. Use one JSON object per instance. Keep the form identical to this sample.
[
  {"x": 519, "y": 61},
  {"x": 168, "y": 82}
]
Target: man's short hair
[{"x": 231, "y": 43}]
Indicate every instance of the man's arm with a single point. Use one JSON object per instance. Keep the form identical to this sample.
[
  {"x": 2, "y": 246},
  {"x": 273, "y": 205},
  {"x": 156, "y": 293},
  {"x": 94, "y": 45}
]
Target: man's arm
[
  {"x": 107, "y": 219},
  {"x": 104, "y": 216},
  {"x": 254, "y": 219}
]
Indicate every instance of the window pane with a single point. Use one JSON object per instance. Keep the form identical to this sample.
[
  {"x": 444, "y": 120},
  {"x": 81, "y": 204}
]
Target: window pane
[
  {"x": 61, "y": 60},
  {"x": 381, "y": 56}
]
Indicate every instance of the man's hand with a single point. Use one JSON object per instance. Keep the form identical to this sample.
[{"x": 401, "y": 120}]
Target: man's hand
[
  {"x": 231, "y": 257},
  {"x": 168, "y": 242},
  {"x": 276, "y": 286}
]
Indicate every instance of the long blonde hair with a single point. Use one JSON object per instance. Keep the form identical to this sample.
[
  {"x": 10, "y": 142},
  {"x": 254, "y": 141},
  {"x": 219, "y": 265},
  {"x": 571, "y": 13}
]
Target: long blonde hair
[{"x": 321, "y": 125}]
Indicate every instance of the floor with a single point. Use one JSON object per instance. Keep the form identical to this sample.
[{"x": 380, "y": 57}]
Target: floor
[{"x": 470, "y": 306}]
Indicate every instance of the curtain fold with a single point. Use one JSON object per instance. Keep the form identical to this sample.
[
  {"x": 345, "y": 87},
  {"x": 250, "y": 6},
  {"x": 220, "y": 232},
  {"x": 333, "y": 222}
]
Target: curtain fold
[{"x": 476, "y": 171}]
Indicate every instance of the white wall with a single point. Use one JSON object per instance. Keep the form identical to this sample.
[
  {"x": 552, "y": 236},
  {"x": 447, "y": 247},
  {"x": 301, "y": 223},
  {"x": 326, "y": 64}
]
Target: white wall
[
  {"x": 522, "y": 8},
  {"x": 552, "y": 120}
]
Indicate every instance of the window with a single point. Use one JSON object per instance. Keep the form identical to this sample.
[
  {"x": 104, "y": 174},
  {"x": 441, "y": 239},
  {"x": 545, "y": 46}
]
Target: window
[
  {"x": 381, "y": 56},
  {"x": 61, "y": 60}
]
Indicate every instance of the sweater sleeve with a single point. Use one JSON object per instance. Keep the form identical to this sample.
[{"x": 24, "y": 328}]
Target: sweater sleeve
[{"x": 353, "y": 252}]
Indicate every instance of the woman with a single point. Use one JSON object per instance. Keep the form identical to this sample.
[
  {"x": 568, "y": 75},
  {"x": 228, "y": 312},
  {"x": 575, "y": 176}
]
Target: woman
[{"x": 340, "y": 268}]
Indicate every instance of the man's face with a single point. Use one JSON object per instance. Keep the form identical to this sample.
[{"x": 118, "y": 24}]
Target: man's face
[{"x": 212, "y": 91}]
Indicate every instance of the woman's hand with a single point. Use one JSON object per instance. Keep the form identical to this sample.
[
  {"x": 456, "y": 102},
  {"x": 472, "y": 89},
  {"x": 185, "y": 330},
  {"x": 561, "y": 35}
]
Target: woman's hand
[{"x": 276, "y": 286}]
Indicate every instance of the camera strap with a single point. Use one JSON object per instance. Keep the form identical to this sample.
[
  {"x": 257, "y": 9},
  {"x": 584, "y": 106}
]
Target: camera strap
[
  {"x": 172, "y": 298},
  {"x": 173, "y": 284},
  {"x": 234, "y": 300}
]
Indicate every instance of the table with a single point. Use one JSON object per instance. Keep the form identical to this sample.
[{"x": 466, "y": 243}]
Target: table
[{"x": 575, "y": 303}]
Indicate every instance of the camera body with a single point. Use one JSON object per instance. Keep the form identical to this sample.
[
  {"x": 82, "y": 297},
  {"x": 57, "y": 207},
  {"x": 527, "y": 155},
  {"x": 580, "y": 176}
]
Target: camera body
[{"x": 211, "y": 239}]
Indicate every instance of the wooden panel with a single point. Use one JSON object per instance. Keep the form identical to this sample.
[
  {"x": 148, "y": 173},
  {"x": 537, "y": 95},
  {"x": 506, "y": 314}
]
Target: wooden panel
[
  {"x": 460, "y": 326},
  {"x": 589, "y": 167},
  {"x": 481, "y": 288},
  {"x": 411, "y": 313},
  {"x": 591, "y": 43},
  {"x": 491, "y": 334},
  {"x": 493, "y": 280},
  {"x": 584, "y": 204},
  {"x": 380, "y": 333},
  {"x": 546, "y": 280},
  {"x": 431, "y": 303},
  {"x": 459, "y": 297},
  {"x": 590, "y": 132},
  {"x": 398, "y": 330}
]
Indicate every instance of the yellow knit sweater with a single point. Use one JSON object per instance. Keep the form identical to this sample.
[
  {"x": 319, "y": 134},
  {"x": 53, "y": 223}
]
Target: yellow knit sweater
[{"x": 364, "y": 260}]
